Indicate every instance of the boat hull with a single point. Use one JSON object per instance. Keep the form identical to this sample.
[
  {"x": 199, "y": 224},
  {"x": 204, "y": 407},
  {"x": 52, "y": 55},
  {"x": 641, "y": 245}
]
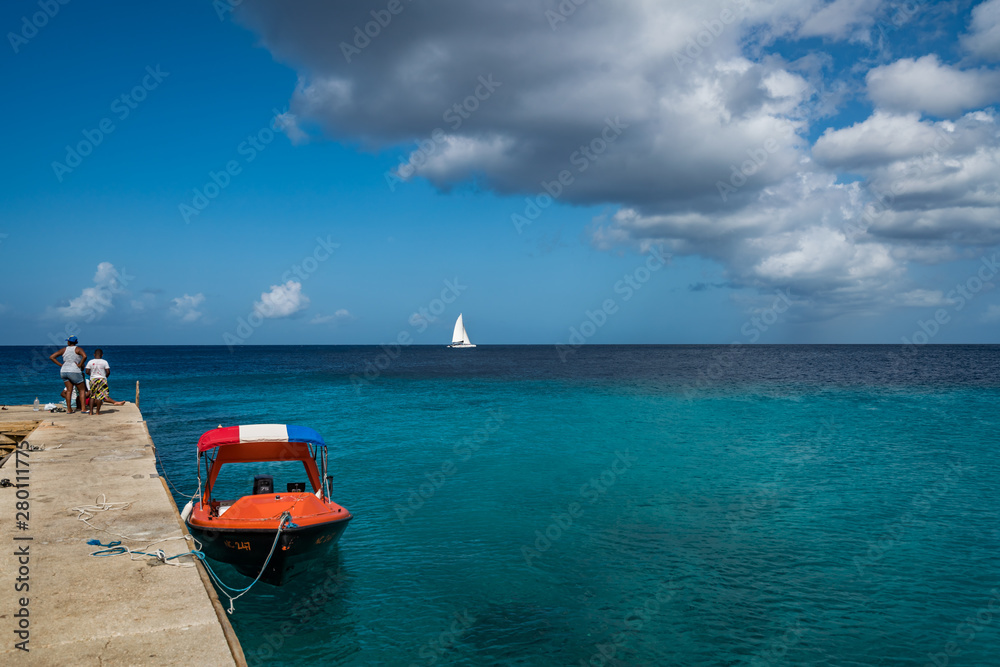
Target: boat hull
[{"x": 247, "y": 549}]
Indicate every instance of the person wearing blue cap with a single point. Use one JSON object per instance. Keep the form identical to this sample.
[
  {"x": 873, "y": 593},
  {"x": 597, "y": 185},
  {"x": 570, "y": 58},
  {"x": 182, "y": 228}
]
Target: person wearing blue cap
[{"x": 71, "y": 371}]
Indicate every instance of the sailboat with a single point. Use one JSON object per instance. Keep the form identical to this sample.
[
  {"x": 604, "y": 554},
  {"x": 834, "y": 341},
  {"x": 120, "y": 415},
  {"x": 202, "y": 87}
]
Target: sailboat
[{"x": 461, "y": 337}]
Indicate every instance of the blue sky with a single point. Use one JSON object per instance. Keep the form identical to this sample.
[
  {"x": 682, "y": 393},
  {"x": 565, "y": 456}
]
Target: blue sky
[{"x": 368, "y": 193}]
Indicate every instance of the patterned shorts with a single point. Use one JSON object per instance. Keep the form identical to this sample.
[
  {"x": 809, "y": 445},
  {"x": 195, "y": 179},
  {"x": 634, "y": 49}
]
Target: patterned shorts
[{"x": 99, "y": 389}]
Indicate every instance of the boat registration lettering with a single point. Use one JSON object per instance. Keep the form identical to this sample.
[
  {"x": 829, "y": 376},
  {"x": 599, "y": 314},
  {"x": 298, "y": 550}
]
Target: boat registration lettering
[
  {"x": 324, "y": 539},
  {"x": 239, "y": 546}
]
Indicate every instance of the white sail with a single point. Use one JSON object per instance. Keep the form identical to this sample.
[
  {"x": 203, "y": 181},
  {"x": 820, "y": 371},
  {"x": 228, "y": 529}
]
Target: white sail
[{"x": 460, "y": 337}]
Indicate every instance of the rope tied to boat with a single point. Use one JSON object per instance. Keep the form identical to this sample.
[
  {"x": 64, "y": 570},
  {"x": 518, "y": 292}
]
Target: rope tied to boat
[
  {"x": 286, "y": 520},
  {"x": 115, "y": 548},
  {"x": 159, "y": 461}
]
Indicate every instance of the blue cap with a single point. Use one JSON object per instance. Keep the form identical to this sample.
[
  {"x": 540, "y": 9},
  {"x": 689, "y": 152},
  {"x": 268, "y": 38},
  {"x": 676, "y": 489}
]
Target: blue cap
[{"x": 71, "y": 339}]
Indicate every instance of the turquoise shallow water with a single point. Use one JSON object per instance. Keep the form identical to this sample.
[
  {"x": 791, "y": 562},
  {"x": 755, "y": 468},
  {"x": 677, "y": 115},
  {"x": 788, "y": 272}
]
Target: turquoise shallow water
[{"x": 633, "y": 505}]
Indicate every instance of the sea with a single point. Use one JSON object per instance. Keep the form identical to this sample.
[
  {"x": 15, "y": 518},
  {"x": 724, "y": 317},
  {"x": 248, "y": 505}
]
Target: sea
[{"x": 609, "y": 505}]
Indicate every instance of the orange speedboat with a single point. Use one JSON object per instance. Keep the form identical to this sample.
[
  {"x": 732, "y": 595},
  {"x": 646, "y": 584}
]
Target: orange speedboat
[{"x": 267, "y": 533}]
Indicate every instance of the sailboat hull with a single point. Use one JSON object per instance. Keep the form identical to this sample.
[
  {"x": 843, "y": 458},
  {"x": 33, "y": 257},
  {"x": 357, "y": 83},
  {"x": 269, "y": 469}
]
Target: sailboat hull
[{"x": 461, "y": 345}]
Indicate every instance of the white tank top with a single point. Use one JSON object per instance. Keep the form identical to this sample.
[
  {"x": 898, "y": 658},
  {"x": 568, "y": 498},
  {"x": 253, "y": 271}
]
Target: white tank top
[{"x": 71, "y": 359}]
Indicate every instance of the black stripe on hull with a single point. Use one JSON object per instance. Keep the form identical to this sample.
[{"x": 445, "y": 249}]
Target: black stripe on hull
[{"x": 247, "y": 550}]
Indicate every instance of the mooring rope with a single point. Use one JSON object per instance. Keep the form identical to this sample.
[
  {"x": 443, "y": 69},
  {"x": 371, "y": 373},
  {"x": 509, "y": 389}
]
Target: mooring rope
[
  {"x": 156, "y": 457},
  {"x": 116, "y": 549},
  {"x": 87, "y": 512},
  {"x": 285, "y": 518}
]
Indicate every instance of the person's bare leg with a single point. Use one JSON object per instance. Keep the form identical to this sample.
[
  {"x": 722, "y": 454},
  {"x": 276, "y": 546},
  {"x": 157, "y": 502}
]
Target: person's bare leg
[
  {"x": 95, "y": 405},
  {"x": 69, "y": 396},
  {"x": 81, "y": 395}
]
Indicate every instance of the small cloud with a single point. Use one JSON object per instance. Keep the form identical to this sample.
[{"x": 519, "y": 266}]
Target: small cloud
[
  {"x": 94, "y": 302},
  {"x": 342, "y": 315},
  {"x": 106, "y": 276},
  {"x": 185, "y": 307},
  {"x": 289, "y": 124},
  {"x": 992, "y": 313},
  {"x": 281, "y": 301},
  {"x": 922, "y": 298}
]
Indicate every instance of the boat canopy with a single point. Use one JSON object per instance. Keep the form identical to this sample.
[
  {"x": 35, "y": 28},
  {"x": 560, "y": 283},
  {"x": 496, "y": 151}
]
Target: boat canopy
[{"x": 235, "y": 435}]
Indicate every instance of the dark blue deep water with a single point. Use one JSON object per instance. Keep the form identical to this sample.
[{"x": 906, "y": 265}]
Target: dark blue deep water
[{"x": 674, "y": 505}]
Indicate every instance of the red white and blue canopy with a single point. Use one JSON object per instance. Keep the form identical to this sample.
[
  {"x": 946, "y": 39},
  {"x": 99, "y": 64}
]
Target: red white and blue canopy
[{"x": 235, "y": 435}]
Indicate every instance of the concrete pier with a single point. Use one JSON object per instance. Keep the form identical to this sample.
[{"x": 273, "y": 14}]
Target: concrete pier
[{"x": 74, "y": 609}]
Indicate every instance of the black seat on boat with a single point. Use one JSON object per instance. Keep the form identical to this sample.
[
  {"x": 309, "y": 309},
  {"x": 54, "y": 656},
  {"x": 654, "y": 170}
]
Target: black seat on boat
[
  {"x": 263, "y": 484},
  {"x": 296, "y": 487}
]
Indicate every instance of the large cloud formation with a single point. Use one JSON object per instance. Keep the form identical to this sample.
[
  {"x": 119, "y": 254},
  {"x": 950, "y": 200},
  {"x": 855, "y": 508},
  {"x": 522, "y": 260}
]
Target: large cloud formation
[{"x": 712, "y": 145}]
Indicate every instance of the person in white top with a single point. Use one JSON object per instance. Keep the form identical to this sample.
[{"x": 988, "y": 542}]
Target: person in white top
[
  {"x": 99, "y": 370},
  {"x": 71, "y": 371}
]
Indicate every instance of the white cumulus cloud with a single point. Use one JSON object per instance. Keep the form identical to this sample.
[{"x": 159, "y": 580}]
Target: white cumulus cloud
[
  {"x": 841, "y": 19},
  {"x": 927, "y": 85},
  {"x": 281, "y": 300},
  {"x": 937, "y": 181},
  {"x": 95, "y": 302},
  {"x": 983, "y": 39},
  {"x": 185, "y": 307},
  {"x": 883, "y": 137}
]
